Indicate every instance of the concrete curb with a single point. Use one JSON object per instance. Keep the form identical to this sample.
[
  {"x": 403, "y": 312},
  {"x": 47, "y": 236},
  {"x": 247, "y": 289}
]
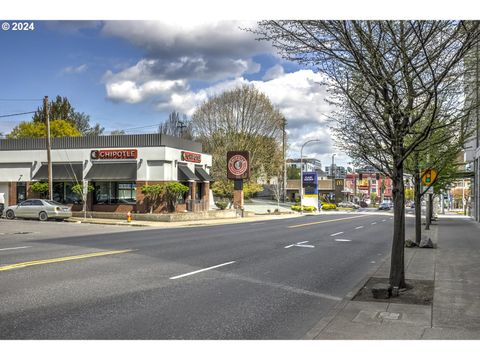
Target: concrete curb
[{"x": 180, "y": 224}]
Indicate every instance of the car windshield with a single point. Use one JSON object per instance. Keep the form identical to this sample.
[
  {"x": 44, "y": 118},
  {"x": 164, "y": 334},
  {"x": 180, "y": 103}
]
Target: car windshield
[{"x": 51, "y": 202}]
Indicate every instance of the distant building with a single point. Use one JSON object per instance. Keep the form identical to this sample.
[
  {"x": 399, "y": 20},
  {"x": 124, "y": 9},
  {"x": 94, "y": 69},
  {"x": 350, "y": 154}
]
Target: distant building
[
  {"x": 339, "y": 171},
  {"x": 309, "y": 164},
  {"x": 360, "y": 186}
]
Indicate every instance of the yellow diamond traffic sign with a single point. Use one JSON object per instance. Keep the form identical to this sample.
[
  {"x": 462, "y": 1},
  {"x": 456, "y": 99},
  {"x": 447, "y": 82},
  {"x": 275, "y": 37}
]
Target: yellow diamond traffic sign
[{"x": 429, "y": 176}]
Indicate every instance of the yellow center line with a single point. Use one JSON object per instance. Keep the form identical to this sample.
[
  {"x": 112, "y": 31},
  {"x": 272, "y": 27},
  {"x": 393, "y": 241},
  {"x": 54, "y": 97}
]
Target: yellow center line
[
  {"x": 61, "y": 259},
  {"x": 326, "y": 221}
]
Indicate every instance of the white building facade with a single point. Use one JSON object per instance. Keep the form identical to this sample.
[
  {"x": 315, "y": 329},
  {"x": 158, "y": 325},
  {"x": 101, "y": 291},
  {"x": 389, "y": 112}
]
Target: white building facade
[{"x": 116, "y": 166}]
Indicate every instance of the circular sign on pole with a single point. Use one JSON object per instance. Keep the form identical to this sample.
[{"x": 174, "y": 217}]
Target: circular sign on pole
[
  {"x": 429, "y": 176},
  {"x": 238, "y": 165}
]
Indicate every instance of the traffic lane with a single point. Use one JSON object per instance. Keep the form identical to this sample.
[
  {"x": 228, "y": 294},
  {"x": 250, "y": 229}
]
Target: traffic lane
[
  {"x": 64, "y": 232},
  {"x": 19, "y": 229},
  {"x": 209, "y": 307},
  {"x": 95, "y": 278},
  {"x": 158, "y": 259},
  {"x": 200, "y": 246},
  {"x": 191, "y": 253},
  {"x": 189, "y": 246},
  {"x": 330, "y": 267}
]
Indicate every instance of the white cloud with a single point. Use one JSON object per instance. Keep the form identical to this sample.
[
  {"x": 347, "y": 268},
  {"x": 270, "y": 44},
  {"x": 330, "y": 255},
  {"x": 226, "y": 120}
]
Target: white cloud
[
  {"x": 208, "y": 51},
  {"x": 220, "y": 54},
  {"x": 130, "y": 92},
  {"x": 75, "y": 69},
  {"x": 274, "y": 72}
]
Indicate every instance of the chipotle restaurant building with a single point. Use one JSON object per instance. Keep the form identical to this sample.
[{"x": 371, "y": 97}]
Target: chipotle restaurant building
[{"x": 117, "y": 166}]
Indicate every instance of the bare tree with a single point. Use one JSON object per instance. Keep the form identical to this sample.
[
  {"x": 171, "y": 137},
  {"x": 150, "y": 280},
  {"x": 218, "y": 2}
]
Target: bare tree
[
  {"x": 390, "y": 80},
  {"x": 241, "y": 119},
  {"x": 118, "y": 132},
  {"x": 177, "y": 125}
]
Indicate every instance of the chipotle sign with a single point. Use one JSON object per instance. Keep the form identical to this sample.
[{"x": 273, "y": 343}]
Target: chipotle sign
[
  {"x": 114, "y": 154},
  {"x": 191, "y": 157},
  {"x": 238, "y": 165}
]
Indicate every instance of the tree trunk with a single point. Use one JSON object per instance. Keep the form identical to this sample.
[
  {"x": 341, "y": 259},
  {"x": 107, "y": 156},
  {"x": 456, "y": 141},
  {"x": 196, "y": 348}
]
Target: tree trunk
[
  {"x": 418, "y": 209},
  {"x": 397, "y": 268},
  {"x": 430, "y": 203},
  {"x": 427, "y": 213}
]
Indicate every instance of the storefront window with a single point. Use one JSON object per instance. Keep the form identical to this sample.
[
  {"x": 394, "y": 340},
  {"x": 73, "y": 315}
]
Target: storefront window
[
  {"x": 126, "y": 193},
  {"x": 70, "y": 196},
  {"x": 21, "y": 191},
  {"x": 58, "y": 192},
  {"x": 115, "y": 193},
  {"x": 62, "y": 193},
  {"x": 102, "y": 193}
]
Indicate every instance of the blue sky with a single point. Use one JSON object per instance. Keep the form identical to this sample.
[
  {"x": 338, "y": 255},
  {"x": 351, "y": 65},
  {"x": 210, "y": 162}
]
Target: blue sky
[{"x": 129, "y": 74}]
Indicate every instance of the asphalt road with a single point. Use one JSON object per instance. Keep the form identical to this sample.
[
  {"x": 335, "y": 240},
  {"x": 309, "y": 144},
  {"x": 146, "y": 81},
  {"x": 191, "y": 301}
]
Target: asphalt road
[{"x": 261, "y": 280}]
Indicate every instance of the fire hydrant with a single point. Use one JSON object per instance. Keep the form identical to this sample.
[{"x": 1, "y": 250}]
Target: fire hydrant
[{"x": 129, "y": 216}]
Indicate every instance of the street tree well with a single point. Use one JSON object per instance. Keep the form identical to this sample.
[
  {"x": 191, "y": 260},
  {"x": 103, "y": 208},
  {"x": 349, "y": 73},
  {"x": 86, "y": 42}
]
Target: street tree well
[{"x": 385, "y": 77}]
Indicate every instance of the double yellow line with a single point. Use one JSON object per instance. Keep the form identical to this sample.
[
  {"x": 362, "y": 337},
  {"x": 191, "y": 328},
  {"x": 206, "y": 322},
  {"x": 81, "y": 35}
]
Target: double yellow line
[
  {"x": 326, "y": 221},
  {"x": 61, "y": 259}
]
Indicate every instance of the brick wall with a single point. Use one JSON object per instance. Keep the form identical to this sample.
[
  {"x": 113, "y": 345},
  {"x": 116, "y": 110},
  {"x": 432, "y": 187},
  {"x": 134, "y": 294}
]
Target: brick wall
[{"x": 12, "y": 193}]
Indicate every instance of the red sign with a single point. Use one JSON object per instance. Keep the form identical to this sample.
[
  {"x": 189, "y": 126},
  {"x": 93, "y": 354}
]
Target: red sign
[
  {"x": 114, "y": 154},
  {"x": 238, "y": 165},
  {"x": 191, "y": 157}
]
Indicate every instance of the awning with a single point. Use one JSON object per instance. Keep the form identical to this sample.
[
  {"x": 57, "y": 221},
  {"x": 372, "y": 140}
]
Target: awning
[
  {"x": 202, "y": 174},
  {"x": 185, "y": 174},
  {"x": 71, "y": 172},
  {"x": 113, "y": 171}
]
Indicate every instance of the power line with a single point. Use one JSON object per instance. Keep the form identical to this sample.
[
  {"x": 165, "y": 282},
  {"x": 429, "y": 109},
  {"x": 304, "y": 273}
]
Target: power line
[
  {"x": 20, "y": 99},
  {"x": 23, "y": 113}
]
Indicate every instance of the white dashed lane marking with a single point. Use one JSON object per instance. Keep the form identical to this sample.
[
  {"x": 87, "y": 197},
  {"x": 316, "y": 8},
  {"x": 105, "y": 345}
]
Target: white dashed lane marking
[
  {"x": 15, "y": 248},
  {"x": 338, "y": 233},
  {"x": 201, "y": 270}
]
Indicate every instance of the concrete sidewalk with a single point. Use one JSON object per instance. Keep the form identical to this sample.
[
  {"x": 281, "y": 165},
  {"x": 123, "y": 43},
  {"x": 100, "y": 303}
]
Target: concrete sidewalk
[{"x": 454, "y": 267}]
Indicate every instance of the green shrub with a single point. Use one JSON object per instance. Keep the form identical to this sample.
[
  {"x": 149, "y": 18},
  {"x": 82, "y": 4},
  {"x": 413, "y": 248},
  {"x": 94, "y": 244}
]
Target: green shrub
[
  {"x": 40, "y": 188},
  {"x": 328, "y": 206},
  {"x": 305, "y": 208},
  {"x": 221, "y": 204}
]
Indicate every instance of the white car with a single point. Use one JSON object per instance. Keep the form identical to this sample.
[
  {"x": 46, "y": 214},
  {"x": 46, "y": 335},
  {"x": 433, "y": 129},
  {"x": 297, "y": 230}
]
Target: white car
[
  {"x": 37, "y": 209},
  {"x": 348, "y": 204}
]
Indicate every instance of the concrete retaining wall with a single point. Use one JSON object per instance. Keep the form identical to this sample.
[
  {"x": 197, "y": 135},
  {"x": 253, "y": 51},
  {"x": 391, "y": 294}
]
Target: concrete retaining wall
[{"x": 189, "y": 216}]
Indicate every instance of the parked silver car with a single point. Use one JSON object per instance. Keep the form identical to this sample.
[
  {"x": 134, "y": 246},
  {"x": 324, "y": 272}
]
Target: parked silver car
[
  {"x": 38, "y": 209},
  {"x": 348, "y": 204}
]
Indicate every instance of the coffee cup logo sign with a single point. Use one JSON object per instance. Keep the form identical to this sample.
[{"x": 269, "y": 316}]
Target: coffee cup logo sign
[
  {"x": 238, "y": 166},
  {"x": 114, "y": 154}
]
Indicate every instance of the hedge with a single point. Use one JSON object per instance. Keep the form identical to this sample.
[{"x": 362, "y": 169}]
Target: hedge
[{"x": 305, "y": 208}]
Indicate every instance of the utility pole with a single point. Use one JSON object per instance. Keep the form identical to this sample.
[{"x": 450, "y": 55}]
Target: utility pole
[
  {"x": 49, "y": 148},
  {"x": 181, "y": 126}
]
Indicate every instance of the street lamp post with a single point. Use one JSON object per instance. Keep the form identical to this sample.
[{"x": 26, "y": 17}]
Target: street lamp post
[
  {"x": 301, "y": 172},
  {"x": 354, "y": 182},
  {"x": 333, "y": 173}
]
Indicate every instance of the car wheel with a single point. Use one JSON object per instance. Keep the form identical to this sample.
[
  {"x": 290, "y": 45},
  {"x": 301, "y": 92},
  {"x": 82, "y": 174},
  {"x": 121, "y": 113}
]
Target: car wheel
[
  {"x": 43, "y": 216},
  {"x": 10, "y": 215}
]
